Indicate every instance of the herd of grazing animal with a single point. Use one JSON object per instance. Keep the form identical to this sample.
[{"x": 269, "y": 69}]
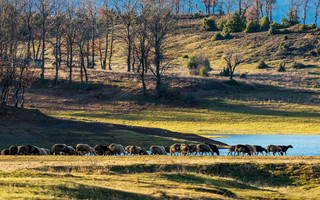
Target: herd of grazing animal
[
  {"x": 251, "y": 150},
  {"x": 118, "y": 149}
]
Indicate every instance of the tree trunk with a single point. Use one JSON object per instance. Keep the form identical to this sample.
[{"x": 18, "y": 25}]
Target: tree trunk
[
  {"x": 43, "y": 46},
  {"x": 93, "y": 42},
  {"x": 106, "y": 51},
  {"x": 111, "y": 48},
  {"x": 158, "y": 75},
  {"x": 71, "y": 61}
]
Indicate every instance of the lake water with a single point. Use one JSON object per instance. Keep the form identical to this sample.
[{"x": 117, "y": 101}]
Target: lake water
[{"x": 303, "y": 145}]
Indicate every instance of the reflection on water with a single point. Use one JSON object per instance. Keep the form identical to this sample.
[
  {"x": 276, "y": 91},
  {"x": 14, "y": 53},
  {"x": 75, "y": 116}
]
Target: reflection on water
[{"x": 303, "y": 145}]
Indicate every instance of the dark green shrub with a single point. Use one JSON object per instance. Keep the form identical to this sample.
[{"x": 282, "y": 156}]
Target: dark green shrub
[
  {"x": 217, "y": 36},
  {"x": 237, "y": 23},
  {"x": 203, "y": 71},
  {"x": 303, "y": 28},
  {"x": 243, "y": 76},
  {"x": 185, "y": 56},
  {"x": 285, "y": 37},
  {"x": 273, "y": 29},
  {"x": 285, "y": 22},
  {"x": 192, "y": 63},
  {"x": 313, "y": 53},
  {"x": 292, "y": 17},
  {"x": 225, "y": 72},
  {"x": 232, "y": 82},
  {"x": 196, "y": 63},
  {"x": 281, "y": 68},
  {"x": 312, "y": 26},
  {"x": 283, "y": 46},
  {"x": 190, "y": 99},
  {"x": 221, "y": 23},
  {"x": 226, "y": 33},
  {"x": 297, "y": 65},
  {"x": 197, "y": 14},
  {"x": 208, "y": 24},
  {"x": 252, "y": 27},
  {"x": 262, "y": 65},
  {"x": 264, "y": 23}
]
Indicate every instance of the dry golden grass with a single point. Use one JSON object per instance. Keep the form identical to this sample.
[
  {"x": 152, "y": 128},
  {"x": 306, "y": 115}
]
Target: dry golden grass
[{"x": 158, "y": 177}]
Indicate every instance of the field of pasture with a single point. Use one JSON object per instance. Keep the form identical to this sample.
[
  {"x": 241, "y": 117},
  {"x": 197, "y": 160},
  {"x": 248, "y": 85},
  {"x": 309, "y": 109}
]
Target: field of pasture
[{"x": 159, "y": 177}]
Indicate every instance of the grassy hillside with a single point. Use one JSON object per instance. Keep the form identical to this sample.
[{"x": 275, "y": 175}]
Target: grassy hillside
[
  {"x": 217, "y": 108},
  {"x": 23, "y": 126},
  {"x": 266, "y": 102},
  {"x": 159, "y": 177}
]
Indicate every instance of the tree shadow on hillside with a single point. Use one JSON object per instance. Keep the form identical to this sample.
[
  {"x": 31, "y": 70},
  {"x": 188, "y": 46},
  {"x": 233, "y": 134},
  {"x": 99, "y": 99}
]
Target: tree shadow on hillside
[
  {"x": 266, "y": 175},
  {"x": 221, "y": 105},
  {"x": 83, "y": 191}
]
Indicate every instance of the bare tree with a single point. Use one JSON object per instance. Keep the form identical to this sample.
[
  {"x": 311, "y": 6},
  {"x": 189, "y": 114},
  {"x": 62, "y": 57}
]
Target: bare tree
[
  {"x": 92, "y": 10},
  {"x": 14, "y": 48},
  {"x": 233, "y": 60},
  {"x": 126, "y": 10},
  {"x": 58, "y": 29},
  {"x": 305, "y": 8},
  {"x": 160, "y": 23},
  {"x": 142, "y": 45},
  {"x": 83, "y": 38},
  {"x": 107, "y": 16},
  {"x": 44, "y": 8},
  {"x": 316, "y": 4},
  {"x": 71, "y": 33},
  {"x": 229, "y": 6}
]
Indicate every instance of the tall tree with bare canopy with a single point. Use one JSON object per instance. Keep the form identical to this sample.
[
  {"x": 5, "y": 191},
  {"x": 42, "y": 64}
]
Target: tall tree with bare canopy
[
  {"x": 44, "y": 8},
  {"x": 160, "y": 23},
  {"x": 127, "y": 13}
]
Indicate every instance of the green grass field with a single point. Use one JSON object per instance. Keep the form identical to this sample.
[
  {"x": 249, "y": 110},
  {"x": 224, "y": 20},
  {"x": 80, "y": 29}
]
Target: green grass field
[
  {"x": 159, "y": 177},
  {"x": 217, "y": 116}
]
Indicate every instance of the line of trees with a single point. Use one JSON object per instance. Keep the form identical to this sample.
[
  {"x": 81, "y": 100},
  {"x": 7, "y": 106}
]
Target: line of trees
[
  {"x": 78, "y": 33},
  {"x": 82, "y": 33}
]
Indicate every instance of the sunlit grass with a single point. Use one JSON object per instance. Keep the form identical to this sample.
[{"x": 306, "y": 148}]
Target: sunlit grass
[
  {"x": 164, "y": 177},
  {"x": 217, "y": 117}
]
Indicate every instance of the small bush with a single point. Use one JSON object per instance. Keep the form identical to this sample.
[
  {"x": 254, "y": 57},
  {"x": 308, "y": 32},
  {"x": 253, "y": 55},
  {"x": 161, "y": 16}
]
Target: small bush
[
  {"x": 237, "y": 23},
  {"x": 243, "y": 76},
  {"x": 232, "y": 82},
  {"x": 226, "y": 33},
  {"x": 283, "y": 47},
  {"x": 312, "y": 26},
  {"x": 252, "y": 27},
  {"x": 285, "y": 22},
  {"x": 208, "y": 24},
  {"x": 264, "y": 23},
  {"x": 217, "y": 36},
  {"x": 297, "y": 65},
  {"x": 190, "y": 99},
  {"x": 285, "y": 37},
  {"x": 197, "y": 14},
  {"x": 281, "y": 68},
  {"x": 221, "y": 23},
  {"x": 203, "y": 71},
  {"x": 313, "y": 53},
  {"x": 185, "y": 56},
  {"x": 196, "y": 63},
  {"x": 192, "y": 63},
  {"x": 225, "y": 72},
  {"x": 303, "y": 28},
  {"x": 273, "y": 29},
  {"x": 262, "y": 65}
]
